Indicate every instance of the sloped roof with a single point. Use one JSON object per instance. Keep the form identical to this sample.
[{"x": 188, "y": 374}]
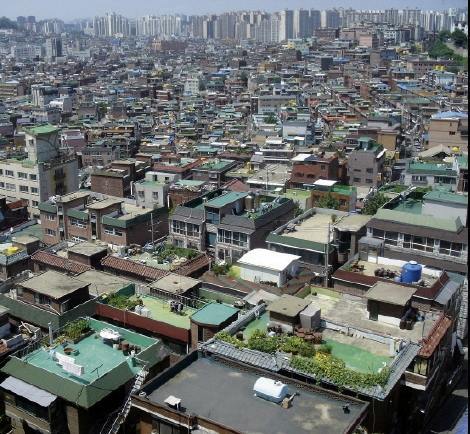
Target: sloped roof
[
  {"x": 48, "y": 259},
  {"x": 131, "y": 267}
]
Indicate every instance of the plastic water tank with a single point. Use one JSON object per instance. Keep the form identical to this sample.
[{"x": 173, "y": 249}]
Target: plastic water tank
[{"x": 411, "y": 272}]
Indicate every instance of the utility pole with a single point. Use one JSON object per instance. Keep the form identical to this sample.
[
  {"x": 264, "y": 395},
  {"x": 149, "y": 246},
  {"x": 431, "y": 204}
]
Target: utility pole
[{"x": 327, "y": 256}]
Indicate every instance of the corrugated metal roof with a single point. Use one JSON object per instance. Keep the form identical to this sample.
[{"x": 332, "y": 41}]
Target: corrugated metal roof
[{"x": 28, "y": 391}]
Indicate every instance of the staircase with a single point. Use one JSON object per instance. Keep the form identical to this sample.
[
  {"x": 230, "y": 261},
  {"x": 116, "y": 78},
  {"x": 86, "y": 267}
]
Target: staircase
[{"x": 113, "y": 424}]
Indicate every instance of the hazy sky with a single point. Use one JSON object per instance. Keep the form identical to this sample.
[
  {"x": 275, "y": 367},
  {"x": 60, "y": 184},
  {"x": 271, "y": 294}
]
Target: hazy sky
[{"x": 69, "y": 9}]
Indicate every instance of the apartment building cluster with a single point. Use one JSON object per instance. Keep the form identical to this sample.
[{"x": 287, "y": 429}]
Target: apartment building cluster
[{"x": 237, "y": 222}]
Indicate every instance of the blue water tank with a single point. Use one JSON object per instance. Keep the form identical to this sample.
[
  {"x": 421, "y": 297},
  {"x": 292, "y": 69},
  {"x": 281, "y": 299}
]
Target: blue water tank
[{"x": 411, "y": 272}]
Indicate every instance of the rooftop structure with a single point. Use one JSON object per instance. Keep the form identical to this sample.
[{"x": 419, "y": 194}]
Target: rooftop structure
[
  {"x": 103, "y": 368},
  {"x": 312, "y": 410}
]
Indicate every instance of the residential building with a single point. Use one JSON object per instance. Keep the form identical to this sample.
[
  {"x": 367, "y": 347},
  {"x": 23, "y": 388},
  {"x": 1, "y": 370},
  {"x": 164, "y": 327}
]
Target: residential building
[
  {"x": 228, "y": 223},
  {"x": 316, "y": 232},
  {"x": 406, "y": 229},
  {"x": 213, "y": 171},
  {"x": 209, "y": 410},
  {"x": 81, "y": 216},
  {"x": 449, "y": 129},
  {"x": 44, "y": 172},
  {"x": 366, "y": 164},
  {"x": 308, "y": 168},
  {"x": 323, "y": 191},
  {"x": 75, "y": 387},
  {"x": 429, "y": 174}
]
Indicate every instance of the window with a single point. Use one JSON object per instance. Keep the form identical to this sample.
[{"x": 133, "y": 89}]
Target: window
[
  {"x": 112, "y": 231},
  {"x": 24, "y": 188},
  {"x": 35, "y": 203},
  {"x": 178, "y": 227},
  {"x": 451, "y": 249},
  {"x": 192, "y": 230},
  {"x": 11, "y": 187},
  {"x": 34, "y": 190},
  {"x": 141, "y": 194},
  {"x": 50, "y": 232},
  {"x": 391, "y": 238},
  {"x": 212, "y": 216},
  {"x": 9, "y": 173},
  {"x": 1, "y": 171},
  {"x": 155, "y": 195},
  {"x": 22, "y": 175},
  {"x": 2, "y": 185},
  {"x": 240, "y": 239},
  {"x": 50, "y": 217},
  {"x": 369, "y": 181},
  {"x": 357, "y": 179},
  {"x": 77, "y": 222},
  {"x": 451, "y": 133},
  {"x": 33, "y": 177},
  {"x": 41, "y": 299},
  {"x": 370, "y": 170}
]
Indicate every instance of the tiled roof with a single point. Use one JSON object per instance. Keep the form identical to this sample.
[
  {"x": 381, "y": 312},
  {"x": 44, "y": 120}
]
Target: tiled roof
[
  {"x": 430, "y": 343},
  {"x": 134, "y": 268},
  {"x": 193, "y": 265},
  {"x": 48, "y": 259}
]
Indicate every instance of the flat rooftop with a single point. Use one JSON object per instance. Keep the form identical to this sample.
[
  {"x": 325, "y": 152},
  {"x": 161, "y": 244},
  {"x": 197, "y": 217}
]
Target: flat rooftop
[
  {"x": 312, "y": 410},
  {"x": 102, "y": 283},
  {"x": 87, "y": 249},
  {"x": 160, "y": 311},
  {"x": 53, "y": 284},
  {"x": 105, "y": 368},
  {"x": 73, "y": 196},
  {"x": 390, "y": 293},
  {"x": 367, "y": 268},
  {"x": 355, "y": 314},
  {"x": 175, "y": 283},
  {"x": 313, "y": 229},
  {"x": 103, "y": 204}
]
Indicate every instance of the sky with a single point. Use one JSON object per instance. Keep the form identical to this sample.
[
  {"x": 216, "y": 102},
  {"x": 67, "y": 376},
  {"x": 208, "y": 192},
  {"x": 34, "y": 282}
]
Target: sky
[{"x": 71, "y": 9}]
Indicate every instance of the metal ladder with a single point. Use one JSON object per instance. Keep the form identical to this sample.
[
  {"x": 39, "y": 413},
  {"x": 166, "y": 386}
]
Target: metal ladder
[{"x": 112, "y": 426}]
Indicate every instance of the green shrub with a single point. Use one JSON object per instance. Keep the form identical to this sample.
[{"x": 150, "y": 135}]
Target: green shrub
[
  {"x": 122, "y": 302},
  {"x": 76, "y": 328},
  {"x": 326, "y": 366},
  {"x": 227, "y": 337},
  {"x": 260, "y": 341}
]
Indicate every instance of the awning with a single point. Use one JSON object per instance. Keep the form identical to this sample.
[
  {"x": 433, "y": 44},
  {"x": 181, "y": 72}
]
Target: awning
[{"x": 28, "y": 391}]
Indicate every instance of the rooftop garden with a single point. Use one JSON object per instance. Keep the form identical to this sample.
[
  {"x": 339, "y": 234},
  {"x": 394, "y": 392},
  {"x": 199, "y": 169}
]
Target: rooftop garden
[
  {"x": 169, "y": 252},
  {"x": 312, "y": 357}
]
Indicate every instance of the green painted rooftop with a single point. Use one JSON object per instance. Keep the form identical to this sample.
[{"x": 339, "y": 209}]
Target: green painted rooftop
[
  {"x": 410, "y": 206},
  {"x": 431, "y": 168},
  {"x": 446, "y": 224},
  {"x": 214, "y": 314},
  {"x": 445, "y": 196},
  {"x": 160, "y": 311},
  {"x": 42, "y": 129},
  {"x": 105, "y": 368},
  {"x": 225, "y": 199},
  {"x": 215, "y": 165}
]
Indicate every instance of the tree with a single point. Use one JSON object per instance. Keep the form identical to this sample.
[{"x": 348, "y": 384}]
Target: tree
[
  {"x": 373, "y": 204},
  {"x": 460, "y": 38},
  {"x": 328, "y": 201},
  {"x": 270, "y": 119},
  {"x": 6, "y": 23}
]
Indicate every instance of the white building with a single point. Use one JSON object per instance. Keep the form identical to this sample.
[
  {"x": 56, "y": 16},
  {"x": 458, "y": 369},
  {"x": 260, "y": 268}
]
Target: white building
[
  {"x": 262, "y": 265},
  {"x": 45, "y": 172}
]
